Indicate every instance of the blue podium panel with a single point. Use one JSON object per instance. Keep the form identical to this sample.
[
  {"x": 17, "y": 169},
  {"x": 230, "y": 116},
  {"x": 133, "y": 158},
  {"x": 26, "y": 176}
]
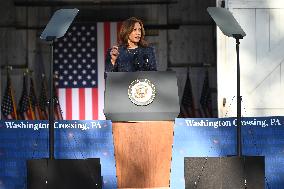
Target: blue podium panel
[
  {"x": 216, "y": 137},
  {"x": 23, "y": 140}
]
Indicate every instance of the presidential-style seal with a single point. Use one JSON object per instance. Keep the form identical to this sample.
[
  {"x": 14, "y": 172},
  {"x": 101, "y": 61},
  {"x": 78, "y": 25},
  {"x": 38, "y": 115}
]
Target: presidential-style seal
[{"x": 141, "y": 92}]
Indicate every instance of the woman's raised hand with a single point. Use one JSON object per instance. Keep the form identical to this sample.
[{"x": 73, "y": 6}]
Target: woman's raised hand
[{"x": 114, "y": 54}]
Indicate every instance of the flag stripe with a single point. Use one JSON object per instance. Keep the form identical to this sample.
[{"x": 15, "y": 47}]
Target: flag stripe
[
  {"x": 82, "y": 103},
  {"x": 89, "y": 105},
  {"x": 113, "y": 33},
  {"x": 68, "y": 103},
  {"x": 95, "y": 101},
  {"x": 14, "y": 104},
  {"x": 62, "y": 100},
  {"x": 101, "y": 68},
  {"x": 106, "y": 36},
  {"x": 75, "y": 103}
]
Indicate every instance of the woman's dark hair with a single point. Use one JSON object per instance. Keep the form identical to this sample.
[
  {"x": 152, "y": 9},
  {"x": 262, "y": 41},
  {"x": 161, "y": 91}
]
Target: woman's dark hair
[{"x": 125, "y": 30}]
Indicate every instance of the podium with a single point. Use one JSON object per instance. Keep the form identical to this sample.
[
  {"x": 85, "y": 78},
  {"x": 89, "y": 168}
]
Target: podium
[{"x": 142, "y": 107}]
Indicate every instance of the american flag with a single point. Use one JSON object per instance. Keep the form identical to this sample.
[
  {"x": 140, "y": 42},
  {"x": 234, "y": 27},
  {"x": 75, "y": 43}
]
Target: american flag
[
  {"x": 43, "y": 100},
  {"x": 33, "y": 100},
  {"x": 206, "y": 99},
  {"x": 187, "y": 107},
  {"x": 25, "y": 107},
  {"x": 79, "y": 59},
  {"x": 8, "y": 106}
]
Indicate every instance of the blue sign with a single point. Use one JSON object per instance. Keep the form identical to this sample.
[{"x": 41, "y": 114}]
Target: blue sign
[
  {"x": 23, "y": 140},
  {"x": 216, "y": 137}
]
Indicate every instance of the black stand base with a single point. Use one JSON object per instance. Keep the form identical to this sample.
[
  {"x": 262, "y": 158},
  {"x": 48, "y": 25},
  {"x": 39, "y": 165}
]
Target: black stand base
[
  {"x": 64, "y": 174},
  {"x": 224, "y": 172}
]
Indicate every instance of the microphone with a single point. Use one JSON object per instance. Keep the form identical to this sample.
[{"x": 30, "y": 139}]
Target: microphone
[{"x": 146, "y": 65}]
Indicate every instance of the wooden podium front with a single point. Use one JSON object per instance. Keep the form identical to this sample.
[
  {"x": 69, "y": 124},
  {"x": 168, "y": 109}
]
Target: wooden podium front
[
  {"x": 142, "y": 149},
  {"x": 143, "y": 152}
]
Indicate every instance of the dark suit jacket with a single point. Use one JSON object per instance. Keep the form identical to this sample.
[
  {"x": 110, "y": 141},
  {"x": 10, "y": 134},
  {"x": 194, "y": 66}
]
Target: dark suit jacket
[{"x": 131, "y": 60}]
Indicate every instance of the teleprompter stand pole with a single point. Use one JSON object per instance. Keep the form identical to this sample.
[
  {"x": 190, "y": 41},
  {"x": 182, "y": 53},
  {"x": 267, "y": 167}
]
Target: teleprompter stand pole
[{"x": 239, "y": 98}]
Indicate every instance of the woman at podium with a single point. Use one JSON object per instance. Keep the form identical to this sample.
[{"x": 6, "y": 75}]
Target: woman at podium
[{"x": 133, "y": 53}]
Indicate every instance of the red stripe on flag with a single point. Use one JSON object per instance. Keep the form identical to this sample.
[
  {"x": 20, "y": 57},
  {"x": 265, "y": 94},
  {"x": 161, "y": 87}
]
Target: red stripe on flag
[
  {"x": 106, "y": 36},
  {"x": 81, "y": 103},
  {"x": 95, "y": 103},
  {"x": 69, "y": 103}
]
